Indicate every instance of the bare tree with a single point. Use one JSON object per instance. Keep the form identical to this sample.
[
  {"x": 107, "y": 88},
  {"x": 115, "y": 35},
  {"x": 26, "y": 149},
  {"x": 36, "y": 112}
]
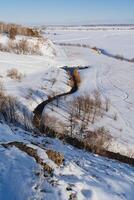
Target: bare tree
[
  {"x": 97, "y": 105},
  {"x": 107, "y": 104},
  {"x": 71, "y": 123},
  {"x": 53, "y": 124}
]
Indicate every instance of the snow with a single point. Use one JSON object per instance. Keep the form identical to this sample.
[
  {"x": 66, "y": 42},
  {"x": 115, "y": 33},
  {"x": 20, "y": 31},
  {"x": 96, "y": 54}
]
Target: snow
[
  {"x": 117, "y": 42},
  {"x": 46, "y": 47},
  {"x": 41, "y": 78},
  {"x": 113, "y": 78},
  {"x": 17, "y": 175},
  {"x": 88, "y": 176},
  {"x": 43, "y": 155}
]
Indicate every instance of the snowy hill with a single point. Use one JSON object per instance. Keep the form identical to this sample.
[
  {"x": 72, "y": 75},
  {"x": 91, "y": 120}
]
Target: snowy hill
[
  {"x": 29, "y": 46},
  {"x": 82, "y": 176}
]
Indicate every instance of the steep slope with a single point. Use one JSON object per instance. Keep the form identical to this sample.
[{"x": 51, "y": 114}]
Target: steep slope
[{"x": 82, "y": 176}]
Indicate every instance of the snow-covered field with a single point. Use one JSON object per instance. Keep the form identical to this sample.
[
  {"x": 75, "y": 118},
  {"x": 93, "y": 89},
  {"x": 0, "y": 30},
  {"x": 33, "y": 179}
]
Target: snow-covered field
[
  {"x": 113, "y": 78},
  {"x": 117, "y": 42},
  {"x": 83, "y": 176}
]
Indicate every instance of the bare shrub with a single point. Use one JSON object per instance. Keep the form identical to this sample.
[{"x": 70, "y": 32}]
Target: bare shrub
[
  {"x": 57, "y": 157},
  {"x": 14, "y": 29},
  {"x": 53, "y": 124},
  {"x": 12, "y": 33},
  {"x": 8, "y": 108},
  {"x": 15, "y": 74},
  {"x": 83, "y": 105},
  {"x": 97, "y": 105},
  {"x": 77, "y": 105},
  {"x": 22, "y": 47},
  {"x": 11, "y": 111},
  {"x": 99, "y": 140},
  {"x": 72, "y": 123},
  {"x": 77, "y": 77},
  {"x": 82, "y": 111},
  {"x": 120, "y": 57},
  {"x": 95, "y": 48},
  {"x": 107, "y": 103},
  {"x": 35, "y": 49}
]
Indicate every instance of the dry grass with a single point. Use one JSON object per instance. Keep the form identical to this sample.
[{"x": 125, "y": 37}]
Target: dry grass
[
  {"x": 12, "y": 33},
  {"x": 55, "y": 156},
  {"x": 21, "y": 47},
  {"x": 15, "y": 74},
  {"x": 13, "y": 29},
  {"x": 77, "y": 77}
]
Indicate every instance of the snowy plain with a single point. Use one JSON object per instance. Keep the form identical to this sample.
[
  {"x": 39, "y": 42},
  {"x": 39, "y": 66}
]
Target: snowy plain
[{"x": 118, "y": 42}]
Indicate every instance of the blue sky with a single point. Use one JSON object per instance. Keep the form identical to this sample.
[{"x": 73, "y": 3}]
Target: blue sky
[{"x": 67, "y": 11}]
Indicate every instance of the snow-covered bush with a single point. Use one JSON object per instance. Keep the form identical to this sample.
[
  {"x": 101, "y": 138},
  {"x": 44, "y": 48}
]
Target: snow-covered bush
[
  {"x": 24, "y": 47},
  {"x": 28, "y": 46}
]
